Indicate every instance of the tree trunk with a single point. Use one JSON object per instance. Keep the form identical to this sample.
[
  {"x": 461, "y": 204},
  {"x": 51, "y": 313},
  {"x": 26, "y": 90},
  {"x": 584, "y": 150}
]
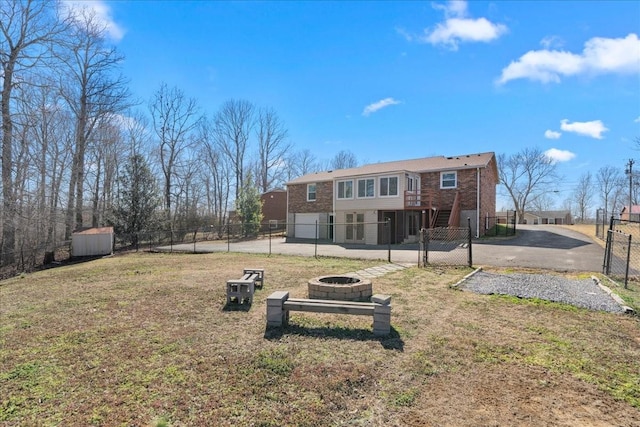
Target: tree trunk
[{"x": 8, "y": 196}]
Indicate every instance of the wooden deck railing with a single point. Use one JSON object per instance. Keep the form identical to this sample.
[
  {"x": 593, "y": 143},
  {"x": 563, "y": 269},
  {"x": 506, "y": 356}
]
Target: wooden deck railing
[
  {"x": 428, "y": 199},
  {"x": 454, "y": 217}
]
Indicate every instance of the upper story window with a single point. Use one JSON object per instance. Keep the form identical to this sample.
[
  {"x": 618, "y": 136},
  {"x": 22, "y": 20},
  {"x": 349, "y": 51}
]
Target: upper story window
[
  {"x": 366, "y": 188},
  {"x": 448, "y": 179},
  {"x": 311, "y": 192},
  {"x": 388, "y": 186},
  {"x": 345, "y": 190},
  {"x": 412, "y": 183}
]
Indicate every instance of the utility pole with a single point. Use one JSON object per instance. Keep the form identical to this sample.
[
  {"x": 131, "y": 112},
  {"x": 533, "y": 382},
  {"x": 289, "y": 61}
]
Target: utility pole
[{"x": 629, "y": 171}]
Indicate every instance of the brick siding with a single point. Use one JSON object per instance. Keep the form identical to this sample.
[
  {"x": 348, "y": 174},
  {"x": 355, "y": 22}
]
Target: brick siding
[{"x": 298, "y": 198}]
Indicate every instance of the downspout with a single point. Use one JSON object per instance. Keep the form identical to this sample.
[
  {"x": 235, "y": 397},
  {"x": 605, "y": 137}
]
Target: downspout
[
  {"x": 286, "y": 220},
  {"x": 333, "y": 208},
  {"x": 478, "y": 203}
]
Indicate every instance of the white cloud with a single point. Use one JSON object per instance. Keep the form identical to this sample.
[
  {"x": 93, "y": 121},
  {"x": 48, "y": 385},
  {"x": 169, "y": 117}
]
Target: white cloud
[
  {"x": 550, "y": 134},
  {"x": 594, "y": 128},
  {"x": 372, "y": 108},
  {"x": 453, "y": 8},
  {"x": 559, "y": 155},
  {"x": 637, "y": 120},
  {"x": 98, "y": 9},
  {"x": 551, "y": 41},
  {"x": 458, "y": 28},
  {"x": 600, "y": 55}
]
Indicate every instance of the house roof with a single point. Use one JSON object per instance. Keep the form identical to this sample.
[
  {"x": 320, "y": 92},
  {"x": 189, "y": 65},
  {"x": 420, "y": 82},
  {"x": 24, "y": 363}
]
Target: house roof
[
  {"x": 95, "y": 230},
  {"x": 540, "y": 214},
  {"x": 549, "y": 214},
  {"x": 425, "y": 164}
]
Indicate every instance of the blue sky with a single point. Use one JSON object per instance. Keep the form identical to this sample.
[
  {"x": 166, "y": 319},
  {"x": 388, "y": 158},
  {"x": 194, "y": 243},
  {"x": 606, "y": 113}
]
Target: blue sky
[{"x": 398, "y": 80}]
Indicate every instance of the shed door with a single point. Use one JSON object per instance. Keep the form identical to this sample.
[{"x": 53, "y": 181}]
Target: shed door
[{"x": 305, "y": 227}]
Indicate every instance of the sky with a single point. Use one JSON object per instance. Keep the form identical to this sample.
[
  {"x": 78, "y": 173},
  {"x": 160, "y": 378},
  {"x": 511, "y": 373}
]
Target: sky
[{"x": 405, "y": 79}]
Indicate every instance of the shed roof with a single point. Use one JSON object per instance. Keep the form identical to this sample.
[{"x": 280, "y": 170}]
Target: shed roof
[
  {"x": 425, "y": 164},
  {"x": 95, "y": 230}
]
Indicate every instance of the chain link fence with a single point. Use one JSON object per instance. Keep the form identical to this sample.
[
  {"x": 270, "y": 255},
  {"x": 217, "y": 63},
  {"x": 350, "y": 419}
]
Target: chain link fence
[
  {"x": 622, "y": 251},
  {"x": 500, "y": 225},
  {"x": 450, "y": 246}
]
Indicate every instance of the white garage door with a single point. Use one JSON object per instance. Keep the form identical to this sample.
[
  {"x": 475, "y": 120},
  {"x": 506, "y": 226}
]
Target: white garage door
[{"x": 306, "y": 225}]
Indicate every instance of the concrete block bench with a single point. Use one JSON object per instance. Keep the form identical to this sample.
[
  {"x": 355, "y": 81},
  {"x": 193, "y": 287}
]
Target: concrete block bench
[
  {"x": 279, "y": 305},
  {"x": 242, "y": 289}
]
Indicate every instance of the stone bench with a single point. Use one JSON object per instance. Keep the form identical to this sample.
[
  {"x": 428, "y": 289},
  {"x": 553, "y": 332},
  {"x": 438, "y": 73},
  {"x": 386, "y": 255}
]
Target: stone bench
[
  {"x": 242, "y": 289},
  {"x": 279, "y": 305}
]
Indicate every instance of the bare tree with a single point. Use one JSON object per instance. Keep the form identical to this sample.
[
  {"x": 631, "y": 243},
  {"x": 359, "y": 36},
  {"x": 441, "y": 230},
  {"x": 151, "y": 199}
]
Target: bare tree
[
  {"x": 27, "y": 30},
  {"x": 542, "y": 202},
  {"x": 609, "y": 181},
  {"x": 343, "y": 160},
  {"x": 93, "y": 90},
  {"x": 524, "y": 174},
  {"x": 272, "y": 149},
  {"x": 301, "y": 163},
  {"x": 233, "y": 124},
  {"x": 583, "y": 195},
  {"x": 49, "y": 140},
  {"x": 104, "y": 158},
  {"x": 174, "y": 117},
  {"x": 216, "y": 177}
]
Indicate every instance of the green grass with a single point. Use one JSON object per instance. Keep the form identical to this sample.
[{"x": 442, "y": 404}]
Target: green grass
[{"x": 147, "y": 340}]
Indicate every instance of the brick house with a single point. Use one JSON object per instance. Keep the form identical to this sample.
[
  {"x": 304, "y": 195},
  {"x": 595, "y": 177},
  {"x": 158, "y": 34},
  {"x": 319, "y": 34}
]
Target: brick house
[
  {"x": 274, "y": 208},
  {"x": 353, "y": 205}
]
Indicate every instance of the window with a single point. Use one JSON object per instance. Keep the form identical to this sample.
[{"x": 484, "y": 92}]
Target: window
[
  {"x": 389, "y": 186},
  {"x": 448, "y": 179},
  {"x": 410, "y": 183},
  {"x": 365, "y": 188},
  {"x": 345, "y": 189},
  {"x": 311, "y": 192}
]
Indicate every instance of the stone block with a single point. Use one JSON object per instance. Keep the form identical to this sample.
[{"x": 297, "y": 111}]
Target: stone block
[{"x": 381, "y": 299}]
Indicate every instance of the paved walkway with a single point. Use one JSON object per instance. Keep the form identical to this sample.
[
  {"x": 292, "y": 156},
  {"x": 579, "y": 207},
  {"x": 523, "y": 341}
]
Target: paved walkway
[{"x": 373, "y": 272}]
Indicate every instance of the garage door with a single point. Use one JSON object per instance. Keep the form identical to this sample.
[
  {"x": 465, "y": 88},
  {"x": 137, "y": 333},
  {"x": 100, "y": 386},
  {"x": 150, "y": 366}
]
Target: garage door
[{"x": 306, "y": 225}]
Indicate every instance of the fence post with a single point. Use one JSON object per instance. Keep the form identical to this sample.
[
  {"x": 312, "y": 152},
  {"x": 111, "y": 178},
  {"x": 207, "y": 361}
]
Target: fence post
[
  {"x": 420, "y": 245},
  {"x": 426, "y": 246},
  {"x": 269, "y": 239},
  {"x": 316, "y": 241},
  {"x": 608, "y": 252},
  {"x": 388, "y": 225},
  {"x": 626, "y": 274},
  {"x": 470, "y": 255}
]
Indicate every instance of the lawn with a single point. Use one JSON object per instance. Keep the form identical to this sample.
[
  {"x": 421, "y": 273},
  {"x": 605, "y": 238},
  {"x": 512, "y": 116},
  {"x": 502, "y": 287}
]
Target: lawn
[{"x": 146, "y": 340}]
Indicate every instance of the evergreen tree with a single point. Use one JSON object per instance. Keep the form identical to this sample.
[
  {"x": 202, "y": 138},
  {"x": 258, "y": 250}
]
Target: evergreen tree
[
  {"x": 249, "y": 207},
  {"x": 138, "y": 200}
]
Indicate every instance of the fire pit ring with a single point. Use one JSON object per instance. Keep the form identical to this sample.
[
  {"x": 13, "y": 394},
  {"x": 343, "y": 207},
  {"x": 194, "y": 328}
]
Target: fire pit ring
[{"x": 340, "y": 287}]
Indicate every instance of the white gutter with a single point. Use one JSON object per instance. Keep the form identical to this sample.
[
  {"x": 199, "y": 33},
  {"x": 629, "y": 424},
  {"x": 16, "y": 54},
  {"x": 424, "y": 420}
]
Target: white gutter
[{"x": 478, "y": 203}]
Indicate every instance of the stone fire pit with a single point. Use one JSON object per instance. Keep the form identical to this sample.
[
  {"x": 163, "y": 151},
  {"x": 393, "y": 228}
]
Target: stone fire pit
[{"x": 346, "y": 288}]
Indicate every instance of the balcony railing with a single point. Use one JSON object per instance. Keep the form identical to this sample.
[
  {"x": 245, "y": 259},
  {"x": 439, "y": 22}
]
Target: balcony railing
[{"x": 424, "y": 199}]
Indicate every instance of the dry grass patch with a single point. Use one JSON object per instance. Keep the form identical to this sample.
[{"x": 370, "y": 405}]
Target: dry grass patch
[{"x": 147, "y": 340}]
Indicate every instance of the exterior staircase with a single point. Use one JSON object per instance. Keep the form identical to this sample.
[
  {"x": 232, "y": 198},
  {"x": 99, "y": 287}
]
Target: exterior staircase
[{"x": 442, "y": 218}]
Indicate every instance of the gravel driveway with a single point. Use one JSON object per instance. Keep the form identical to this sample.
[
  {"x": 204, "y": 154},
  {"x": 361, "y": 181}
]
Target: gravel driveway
[{"x": 585, "y": 293}]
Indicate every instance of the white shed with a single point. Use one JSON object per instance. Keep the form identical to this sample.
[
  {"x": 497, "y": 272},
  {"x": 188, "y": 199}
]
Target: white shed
[{"x": 92, "y": 242}]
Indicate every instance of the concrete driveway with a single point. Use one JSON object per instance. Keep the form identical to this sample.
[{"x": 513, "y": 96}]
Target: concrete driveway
[
  {"x": 536, "y": 246},
  {"x": 541, "y": 246}
]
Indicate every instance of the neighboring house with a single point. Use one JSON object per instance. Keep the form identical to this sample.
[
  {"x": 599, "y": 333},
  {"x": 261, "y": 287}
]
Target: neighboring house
[
  {"x": 634, "y": 215},
  {"x": 542, "y": 217},
  {"x": 274, "y": 208},
  {"x": 352, "y": 205}
]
